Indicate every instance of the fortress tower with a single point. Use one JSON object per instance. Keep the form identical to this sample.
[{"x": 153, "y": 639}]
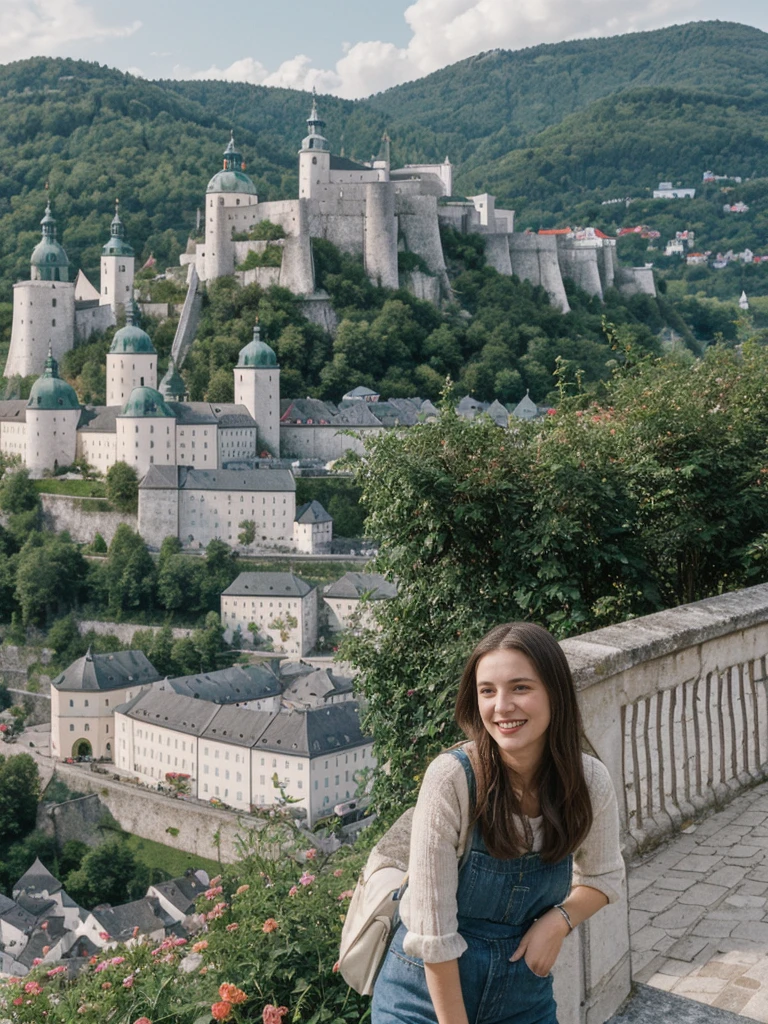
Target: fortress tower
[
  {"x": 53, "y": 412},
  {"x": 43, "y": 307},
  {"x": 146, "y": 431},
  {"x": 172, "y": 386},
  {"x": 117, "y": 268},
  {"x": 257, "y": 387},
  {"x": 229, "y": 200},
  {"x": 314, "y": 156},
  {"x": 131, "y": 362}
]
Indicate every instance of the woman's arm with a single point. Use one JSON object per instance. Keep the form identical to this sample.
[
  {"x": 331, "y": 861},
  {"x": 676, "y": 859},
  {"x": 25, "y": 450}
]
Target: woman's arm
[
  {"x": 541, "y": 943},
  {"x": 445, "y": 991}
]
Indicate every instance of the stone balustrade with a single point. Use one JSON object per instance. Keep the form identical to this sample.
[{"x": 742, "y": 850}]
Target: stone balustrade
[{"x": 676, "y": 705}]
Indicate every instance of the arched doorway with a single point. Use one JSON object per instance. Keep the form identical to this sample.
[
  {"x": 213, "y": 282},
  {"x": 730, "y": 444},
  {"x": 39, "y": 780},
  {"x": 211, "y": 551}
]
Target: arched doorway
[{"x": 82, "y": 748}]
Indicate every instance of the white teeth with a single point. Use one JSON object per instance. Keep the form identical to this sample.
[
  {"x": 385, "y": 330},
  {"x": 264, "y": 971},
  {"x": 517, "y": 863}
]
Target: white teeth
[{"x": 510, "y": 725}]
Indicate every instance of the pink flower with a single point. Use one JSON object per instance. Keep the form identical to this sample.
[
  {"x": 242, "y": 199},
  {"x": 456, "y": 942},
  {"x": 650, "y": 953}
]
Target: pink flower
[
  {"x": 200, "y": 946},
  {"x": 216, "y": 880},
  {"x": 213, "y": 892},
  {"x": 142, "y": 1020},
  {"x": 55, "y": 971},
  {"x": 306, "y": 879},
  {"x": 176, "y": 942},
  {"x": 293, "y": 890},
  {"x": 273, "y": 1014},
  {"x": 18, "y": 1001},
  {"x": 117, "y": 960},
  {"x": 128, "y": 982},
  {"x": 221, "y": 1011},
  {"x": 335, "y": 967},
  {"x": 270, "y": 925},
  {"x": 36, "y": 961},
  {"x": 410, "y": 693},
  {"x": 135, "y": 932},
  {"x": 33, "y": 988},
  {"x": 101, "y": 967},
  {"x": 347, "y": 894},
  {"x": 338, "y": 873},
  {"x": 106, "y": 984},
  {"x": 311, "y": 854},
  {"x": 241, "y": 889},
  {"x": 233, "y": 927},
  {"x": 104, "y": 935}
]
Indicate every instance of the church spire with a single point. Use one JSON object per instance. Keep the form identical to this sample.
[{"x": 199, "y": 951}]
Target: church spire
[{"x": 315, "y": 125}]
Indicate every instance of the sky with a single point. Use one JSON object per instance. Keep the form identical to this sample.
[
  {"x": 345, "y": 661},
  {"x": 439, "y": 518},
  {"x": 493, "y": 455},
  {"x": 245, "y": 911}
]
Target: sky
[{"x": 346, "y": 47}]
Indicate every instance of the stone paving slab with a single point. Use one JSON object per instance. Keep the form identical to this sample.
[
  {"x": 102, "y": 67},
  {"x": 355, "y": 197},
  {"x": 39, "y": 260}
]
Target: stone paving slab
[{"x": 699, "y": 920}]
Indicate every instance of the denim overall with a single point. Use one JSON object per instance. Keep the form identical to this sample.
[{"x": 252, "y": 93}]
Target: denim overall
[{"x": 498, "y": 901}]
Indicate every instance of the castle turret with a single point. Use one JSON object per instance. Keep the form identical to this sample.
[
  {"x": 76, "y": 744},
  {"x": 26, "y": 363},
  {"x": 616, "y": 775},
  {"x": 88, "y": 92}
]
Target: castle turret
[
  {"x": 257, "y": 387},
  {"x": 117, "y": 268},
  {"x": 131, "y": 361},
  {"x": 53, "y": 412},
  {"x": 229, "y": 196},
  {"x": 314, "y": 155},
  {"x": 172, "y": 386},
  {"x": 43, "y": 307},
  {"x": 381, "y": 234},
  {"x": 146, "y": 431}
]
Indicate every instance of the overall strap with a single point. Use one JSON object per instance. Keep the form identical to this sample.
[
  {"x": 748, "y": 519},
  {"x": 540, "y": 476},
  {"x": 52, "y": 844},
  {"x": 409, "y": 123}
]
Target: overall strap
[{"x": 462, "y": 756}]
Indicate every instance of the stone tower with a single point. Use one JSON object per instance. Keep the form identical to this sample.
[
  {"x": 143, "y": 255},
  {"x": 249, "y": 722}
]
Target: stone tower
[
  {"x": 381, "y": 234},
  {"x": 43, "y": 307},
  {"x": 131, "y": 362},
  {"x": 229, "y": 196},
  {"x": 172, "y": 386},
  {"x": 146, "y": 431},
  {"x": 53, "y": 412},
  {"x": 257, "y": 387},
  {"x": 314, "y": 156},
  {"x": 117, "y": 268}
]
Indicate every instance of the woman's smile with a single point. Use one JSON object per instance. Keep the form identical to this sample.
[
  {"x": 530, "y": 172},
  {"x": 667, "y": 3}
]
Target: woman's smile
[{"x": 514, "y": 706}]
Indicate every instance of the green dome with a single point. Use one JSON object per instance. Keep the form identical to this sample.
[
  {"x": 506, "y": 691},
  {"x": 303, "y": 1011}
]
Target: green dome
[
  {"x": 48, "y": 256},
  {"x": 50, "y": 391},
  {"x": 146, "y": 402},
  {"x": 131, "y": 340},
  {"x": 172, "y": 385},
  {"x": 257, "y": 352},
  {"x": 232, "y": 178},
  {"x": 117, "y": 245}
]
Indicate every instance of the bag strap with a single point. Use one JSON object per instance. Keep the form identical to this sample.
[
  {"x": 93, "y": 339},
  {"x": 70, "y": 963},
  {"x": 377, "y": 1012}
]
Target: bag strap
[{"x": 464, "y": 759}]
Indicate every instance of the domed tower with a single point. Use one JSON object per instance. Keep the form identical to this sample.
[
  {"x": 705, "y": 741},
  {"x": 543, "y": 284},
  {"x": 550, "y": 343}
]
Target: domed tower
[
  {"x": 43, "y": 307},
  {"x": 172, "y": 386},
  {"x": 229, "y": 199},
  {"x": 53, "y": 412},
  {"x": 314, "y": 155},
  {"x": 117, "y": 268},
  {"x": 131, "y": 361},
  {"x": 146, "y": 431},
  {"x": 257, "y": 387}
]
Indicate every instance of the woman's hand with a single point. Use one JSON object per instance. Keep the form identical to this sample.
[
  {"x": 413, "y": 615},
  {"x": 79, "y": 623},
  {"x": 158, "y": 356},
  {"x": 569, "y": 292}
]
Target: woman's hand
[{"x": 541, "y": 943}]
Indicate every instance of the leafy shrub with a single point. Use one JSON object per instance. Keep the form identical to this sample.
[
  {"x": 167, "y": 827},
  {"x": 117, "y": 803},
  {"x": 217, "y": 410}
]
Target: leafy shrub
[{"x": 271, "y": 257}]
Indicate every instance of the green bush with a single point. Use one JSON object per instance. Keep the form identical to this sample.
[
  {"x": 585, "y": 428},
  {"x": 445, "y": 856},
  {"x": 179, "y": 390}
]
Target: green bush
[{"x": 271, "y": 257}]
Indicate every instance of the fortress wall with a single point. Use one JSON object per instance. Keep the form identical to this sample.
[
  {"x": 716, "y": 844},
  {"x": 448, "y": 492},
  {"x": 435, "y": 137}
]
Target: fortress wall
[
  {"x": 607, "y": 268},
  {"x": 322, "y": 442},
  {"x": 92, "y": 319},
  {"x": 124, "y": 630},
  {"x": 189, "y": 319},
  {"x": 423, "y": 286},
  {"x": 33, "y": 325},
  {"x": 581, "y": 266},
  {"x": 284, "y": 212},
  {"x": 534, "y": 258},
  {"x": 83, "y": 518},
  {"x": 497, "y": 253},
  {"x": 298, "y": 269},
  {"x": 340, "y": 221},
  {"x": 158, "y": 516},
  {"x": 317, "y": 308},
  {"x": 264, "y": 276},
  {"x": 636, "y": 281},
  {"x": 417, "y": 218},
  {"x": 381, "y": 235}
]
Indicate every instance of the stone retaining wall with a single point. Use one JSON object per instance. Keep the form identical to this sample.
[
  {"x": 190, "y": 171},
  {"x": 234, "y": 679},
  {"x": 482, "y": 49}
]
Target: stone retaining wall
[
  {"x": 124, "y": 630},
  {"x": 83, "y": 518}
]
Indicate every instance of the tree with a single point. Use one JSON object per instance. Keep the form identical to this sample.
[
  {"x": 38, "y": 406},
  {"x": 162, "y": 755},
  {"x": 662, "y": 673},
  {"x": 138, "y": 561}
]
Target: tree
[
  {"x": 50, "y": 576},
  {"x": 19, "y": 796},
  {"x": 104, "y": 876},
  {"x": 18, "y": 493},
  {"x": 129, "y": 572},
  {"x": 213, "y": 651},
  {"x": 123, "y": 487},
  {"x": 247, "y": 534}
]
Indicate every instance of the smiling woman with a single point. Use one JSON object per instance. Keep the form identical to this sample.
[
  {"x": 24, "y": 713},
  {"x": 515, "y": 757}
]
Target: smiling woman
[{"x": 515, "y": 842}]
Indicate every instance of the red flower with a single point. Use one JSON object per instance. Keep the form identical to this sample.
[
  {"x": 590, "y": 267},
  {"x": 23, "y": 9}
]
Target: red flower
[
  {"x": 270, "y": 925},
  {"x": 232, "y": 994},
  {"x": 221, "y": 1011}
]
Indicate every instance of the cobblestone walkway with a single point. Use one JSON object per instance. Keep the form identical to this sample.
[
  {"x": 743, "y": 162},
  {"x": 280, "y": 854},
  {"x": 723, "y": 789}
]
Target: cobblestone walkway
[{"x": 699, "y": 911}]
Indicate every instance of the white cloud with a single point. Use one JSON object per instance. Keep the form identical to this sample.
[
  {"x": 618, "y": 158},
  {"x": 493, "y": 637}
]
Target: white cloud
[
  {"x": 446, "y": 31},
  {"x": 32, "y": 27}
]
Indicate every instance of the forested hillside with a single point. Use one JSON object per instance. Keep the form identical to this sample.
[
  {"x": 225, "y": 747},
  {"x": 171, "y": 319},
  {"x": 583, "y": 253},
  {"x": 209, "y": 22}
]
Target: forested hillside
[{"x": 96, "y": 133}]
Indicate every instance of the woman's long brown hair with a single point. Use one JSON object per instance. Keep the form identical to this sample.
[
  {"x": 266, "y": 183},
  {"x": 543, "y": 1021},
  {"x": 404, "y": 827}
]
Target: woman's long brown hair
[{"x": 559, "y": 779}]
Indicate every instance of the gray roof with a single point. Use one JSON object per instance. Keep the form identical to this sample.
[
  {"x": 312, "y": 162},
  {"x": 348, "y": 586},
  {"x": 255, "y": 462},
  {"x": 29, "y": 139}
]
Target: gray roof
[
  {"x": 315, "y": 731},
  {"x": 498, "y": 413},
  {"x": 316, "y": 686},
  {"x": 99, "y": 418},
  {"x": 312, "y": 512},
  {"x": 224, "y": 414},
  {"x": 241, "y": 726},
  {"x": 182, "y": 892},
  {"x": 35, "y": 880},
  {"x": 343, "y": 163},
  {"x": 397, "y": 412},
  {"x": 357, "y": 414},
  {"x": 360, "y": 392},
  {"x": 13, "y": 914},
  {"x": 526, "y": 408},
  {"x": 187, "y": 478},
  {"x": 301, "y": 410},
  {"x": 353, "y": 585},
  {"x": 229, "y": 685},
  {"x": 54, "y": 930},
  {"x": 170, "y": 711},
  {"x": 14, "y": 409},
  {"x": 267, "y": 584},
  {"x": 146, "y": 914},
  {"x": 192, "y": 412},
  {"x": 107, "y": 672}
]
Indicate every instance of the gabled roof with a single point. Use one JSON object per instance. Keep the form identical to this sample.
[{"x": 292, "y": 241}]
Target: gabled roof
[
  {"x": 36, "y": 880},
  {"x": 300, "y": 410},
  {"x": 181, "y": 892},
  {"x": 267, "y": 584},
  {"x": 15, "y": 915},
  {"x": 315, "y": 687},
  {"x": 187, "y": 478},
  {"x": 241, "y": 726},
  {"x": 353, "y": 585},
  {"x": 356, "y": 414},
  {"x": 229, "y": 685},
  {"x": 170, "y": 710},
  {"x": 360, "y": 392},
  {"x": 312, "y": 512},
  {"x": 107, "y": 672},
  {"x": 315, "y": 731},
  {"x": 101, "y": 418},
  {"x": 526, "y": 408},
  {"x": 119, "y": 922},
  {"x": 498, "y": 413},
  {"x": 343, "y": 163},
  {"x": 14, "y": 409}
]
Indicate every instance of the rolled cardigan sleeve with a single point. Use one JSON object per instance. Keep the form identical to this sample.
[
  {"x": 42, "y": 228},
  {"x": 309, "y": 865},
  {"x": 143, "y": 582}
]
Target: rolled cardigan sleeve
[
  {"x": 429, "y": 909},
  {"x": 598, "y": 863}
]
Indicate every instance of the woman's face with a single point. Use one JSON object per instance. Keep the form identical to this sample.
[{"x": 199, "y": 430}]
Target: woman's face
[{"x": 514, "y": 706}]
